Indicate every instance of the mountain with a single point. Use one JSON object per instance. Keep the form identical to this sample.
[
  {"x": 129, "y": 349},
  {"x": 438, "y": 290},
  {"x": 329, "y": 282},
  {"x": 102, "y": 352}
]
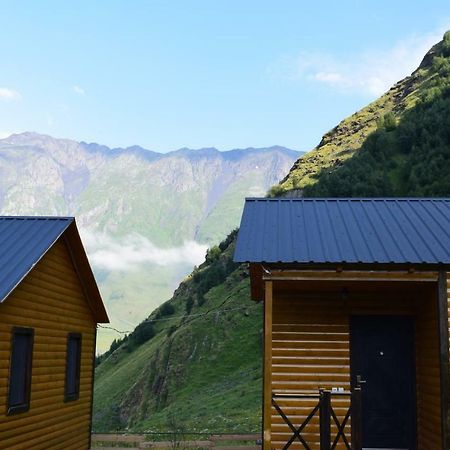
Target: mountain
[
  {"x": 396, "y": 146},
  {"x": 198, "y": 357},
  {"x": 146, "y": 218}
]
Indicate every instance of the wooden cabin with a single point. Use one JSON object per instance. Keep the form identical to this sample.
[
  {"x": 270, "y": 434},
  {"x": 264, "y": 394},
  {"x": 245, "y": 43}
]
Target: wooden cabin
[
  {"x": 49, "y": 309},
  {"x": 356, "y": 320}
]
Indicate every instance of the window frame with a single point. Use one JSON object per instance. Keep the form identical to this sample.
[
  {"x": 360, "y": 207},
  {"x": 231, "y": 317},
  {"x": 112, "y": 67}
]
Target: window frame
[
  {"x": 25, "y": 406},
  {"x": 72, "y": 396}
]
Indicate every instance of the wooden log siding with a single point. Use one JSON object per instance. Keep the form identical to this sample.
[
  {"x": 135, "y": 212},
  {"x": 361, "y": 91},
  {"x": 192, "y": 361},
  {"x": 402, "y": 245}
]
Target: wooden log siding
[
  {"x": 311, "y": 350},
  {"x": 50, "y": 300},
  {"x": 448, "y": 375}
]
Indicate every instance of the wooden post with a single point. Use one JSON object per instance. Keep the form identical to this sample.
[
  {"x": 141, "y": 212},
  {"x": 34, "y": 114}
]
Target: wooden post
[
  {"x": 356, "y": 412},
  {"x": 325, "y": 420},
  {"x": 267, "y": 391},
  {"x": 443, "y": 352}
]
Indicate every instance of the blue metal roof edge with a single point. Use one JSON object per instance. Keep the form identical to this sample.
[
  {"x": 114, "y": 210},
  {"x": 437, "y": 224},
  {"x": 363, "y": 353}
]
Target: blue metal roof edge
[
  {"x": 243, "y": 236},
  {"x": 38, "y": 217},
  {"x": 69, "y": 220},
  {"x": 347, "y": 199}
]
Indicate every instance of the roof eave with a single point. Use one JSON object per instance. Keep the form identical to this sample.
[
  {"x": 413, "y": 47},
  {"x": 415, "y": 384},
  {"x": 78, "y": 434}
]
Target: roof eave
[{"x": 85, "y": 274}]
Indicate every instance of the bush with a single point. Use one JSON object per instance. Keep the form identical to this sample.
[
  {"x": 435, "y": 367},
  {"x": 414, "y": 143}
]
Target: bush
[
  {"x": 388, "y": 122},
  {"x": 142, "y": 333},
  {"x": 171, "y": 330},
  {"x": 166, "y": 309},
  {"x": 200, "y": 299},
  {"x": 228, "y": 240},
  {"x": 213, "y": 254},
  {"x": 189, "y": 305},
  {"x": 276, "y": 191}
]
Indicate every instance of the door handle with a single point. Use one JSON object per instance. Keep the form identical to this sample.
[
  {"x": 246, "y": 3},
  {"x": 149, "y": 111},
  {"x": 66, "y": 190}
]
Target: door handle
[{"x": 360, "y": 381}]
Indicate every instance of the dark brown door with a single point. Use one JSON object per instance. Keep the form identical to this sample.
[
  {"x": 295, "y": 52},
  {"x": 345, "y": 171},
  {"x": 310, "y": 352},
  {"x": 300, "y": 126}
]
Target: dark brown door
[{"x": 382, "y": 356}]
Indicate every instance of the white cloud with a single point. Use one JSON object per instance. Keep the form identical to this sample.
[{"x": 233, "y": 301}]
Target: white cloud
[
  {"x": 9, "y": 94},
  {"x": 78, "y": 90},
  {"x": 369, "y": 73},
  {"x": 5, "y": 134},
  {"x": 130, "y": 252}
]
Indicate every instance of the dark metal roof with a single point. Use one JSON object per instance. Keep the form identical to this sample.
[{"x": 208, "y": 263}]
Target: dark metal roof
[
  {"x": 382, "y": 230},
  {"x": 25, "y": 240}
]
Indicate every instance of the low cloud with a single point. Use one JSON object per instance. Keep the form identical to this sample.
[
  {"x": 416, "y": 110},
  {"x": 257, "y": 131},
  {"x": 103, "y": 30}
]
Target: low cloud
[
  {"x": 370, "y": 73},
  {"x": 9, "y": 94},
  {"x": 130, "y": 252},
  {"x": 78, "y": 90},
  {"x": 5, "y": 134}
]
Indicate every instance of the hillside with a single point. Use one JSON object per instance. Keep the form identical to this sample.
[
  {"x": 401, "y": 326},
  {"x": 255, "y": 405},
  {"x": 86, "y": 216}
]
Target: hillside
[
  {"x": 191, "y": 357},
  {"x": 402, "y": 147},
  {"x": 146, "y": 218},
  {"x": 399, "y": 139}
]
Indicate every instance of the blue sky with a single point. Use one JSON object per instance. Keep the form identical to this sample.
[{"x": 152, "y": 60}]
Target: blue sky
[{"x": 170, "y": 74}]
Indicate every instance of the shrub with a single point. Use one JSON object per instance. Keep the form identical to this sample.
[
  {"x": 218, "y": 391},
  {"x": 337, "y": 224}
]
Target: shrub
[
  {"x": 166, "y": 309},
  {"x": 213, "y": 254},
  {"x": 388, "y": 122},
  {"x": 142, "y": 333},
  {"x": 189, "y": 305},
  {"x": 171, "y": 330},
  {"x": 276, "y": 191}
]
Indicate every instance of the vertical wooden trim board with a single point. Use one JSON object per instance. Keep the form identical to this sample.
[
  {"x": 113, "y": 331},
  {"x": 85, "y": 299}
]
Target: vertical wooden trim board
[
  {"x": 448, "y": 373},
  {"x": 267, "y": 391},
  {"x": 443, "y": 352}
]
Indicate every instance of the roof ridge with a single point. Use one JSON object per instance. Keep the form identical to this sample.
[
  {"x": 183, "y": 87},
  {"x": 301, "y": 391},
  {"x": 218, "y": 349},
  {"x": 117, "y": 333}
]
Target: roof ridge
[
  {"x": 350, "y": 199},
  {"x": 37, "y": 217}
]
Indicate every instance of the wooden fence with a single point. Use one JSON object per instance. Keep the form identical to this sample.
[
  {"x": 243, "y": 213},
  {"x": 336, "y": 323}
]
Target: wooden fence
[{"x": 139, "y": 441}]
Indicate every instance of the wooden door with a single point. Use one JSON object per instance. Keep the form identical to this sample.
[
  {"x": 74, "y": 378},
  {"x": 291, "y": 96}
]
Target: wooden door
[{"x": 382, "y": 356}]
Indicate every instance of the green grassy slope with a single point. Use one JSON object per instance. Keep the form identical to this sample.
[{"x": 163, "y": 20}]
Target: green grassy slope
[
  {"x": 406, "y": 104},
  {"x": 204, "y": 365},
  {"x": 407, "y": 157}
]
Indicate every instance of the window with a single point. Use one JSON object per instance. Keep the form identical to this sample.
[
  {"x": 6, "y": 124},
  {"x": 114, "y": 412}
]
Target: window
[
  {"x": 20, "y": 370},
  {"x": 73, "y": 359}
]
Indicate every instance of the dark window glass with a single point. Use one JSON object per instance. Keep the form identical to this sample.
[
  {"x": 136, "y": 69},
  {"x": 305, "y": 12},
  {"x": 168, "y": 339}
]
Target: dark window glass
[
  {"x": 20, "y": 370},
  {"x": 73, "y": 366}
]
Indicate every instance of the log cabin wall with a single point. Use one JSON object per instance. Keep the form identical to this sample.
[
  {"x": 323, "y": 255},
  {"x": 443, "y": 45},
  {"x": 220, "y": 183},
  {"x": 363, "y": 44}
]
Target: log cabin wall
[
  {"x": 428, "y": 375},
  {"x": 311, "y": 349},
  {"x": 50, "y": 300},
  {"x": 448, "y": 374}
]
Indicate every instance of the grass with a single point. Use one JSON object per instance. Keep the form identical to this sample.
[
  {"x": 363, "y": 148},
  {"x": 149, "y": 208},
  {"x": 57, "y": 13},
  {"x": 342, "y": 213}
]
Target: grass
[{"x": 207, "y": 371}]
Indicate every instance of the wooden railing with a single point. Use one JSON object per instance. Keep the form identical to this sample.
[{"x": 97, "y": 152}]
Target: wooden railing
[
  {"x": 140, "y": 441},
  {"x": 327, "y": 415}
]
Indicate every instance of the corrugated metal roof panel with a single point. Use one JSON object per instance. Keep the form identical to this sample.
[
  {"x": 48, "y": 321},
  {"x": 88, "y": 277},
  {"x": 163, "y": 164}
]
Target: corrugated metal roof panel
[
  {"x": 381, "y": 230},
  {"x": 23, "y": 242}
]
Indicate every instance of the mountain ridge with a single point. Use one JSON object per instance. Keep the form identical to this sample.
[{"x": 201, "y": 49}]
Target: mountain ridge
[
  {"x": 146, "y": 219},
  {"x": 36, "y": 137}
]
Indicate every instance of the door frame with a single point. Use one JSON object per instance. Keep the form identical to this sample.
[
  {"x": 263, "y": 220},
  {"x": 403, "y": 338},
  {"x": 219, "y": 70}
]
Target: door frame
[{"x": 412, "y": 319}]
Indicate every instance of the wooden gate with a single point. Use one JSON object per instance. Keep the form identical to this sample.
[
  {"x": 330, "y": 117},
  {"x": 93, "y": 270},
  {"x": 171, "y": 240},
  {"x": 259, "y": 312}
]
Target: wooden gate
[{"x": 327, "y": 416}]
